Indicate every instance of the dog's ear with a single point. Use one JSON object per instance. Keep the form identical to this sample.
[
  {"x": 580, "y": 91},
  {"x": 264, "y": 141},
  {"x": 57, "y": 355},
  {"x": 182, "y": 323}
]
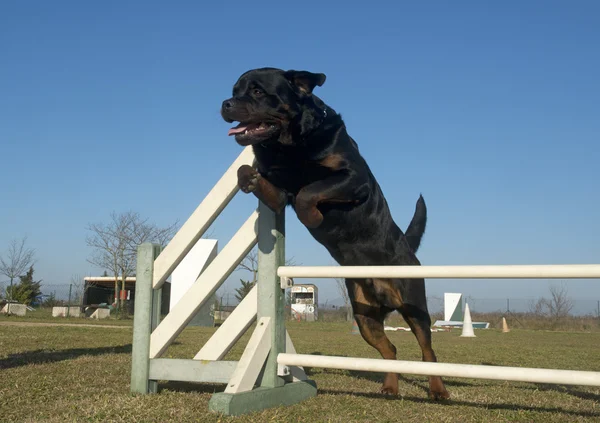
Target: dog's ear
[{"x": 305, "y": 81}]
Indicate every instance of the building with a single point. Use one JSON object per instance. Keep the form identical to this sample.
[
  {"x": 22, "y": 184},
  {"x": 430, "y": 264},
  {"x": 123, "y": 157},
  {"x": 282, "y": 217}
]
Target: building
[
  {"x": 304, "y": 302},
  {"x": 101, "y": 290}
]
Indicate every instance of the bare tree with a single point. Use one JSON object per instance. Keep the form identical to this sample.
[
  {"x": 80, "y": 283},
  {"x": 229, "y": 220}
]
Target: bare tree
[
  {"x": 341, "y": 286},
  {"x": 560, "y": 304},
  {"x": 250, "y": 264},
  {"x": 115, "y": 244},
  {"x": 538, "y": 307},
  {"x": 17, "y": 260}
]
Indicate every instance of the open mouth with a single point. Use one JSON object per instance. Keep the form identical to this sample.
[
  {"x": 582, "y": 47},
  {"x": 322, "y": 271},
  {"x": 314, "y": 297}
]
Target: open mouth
[{"x": 253, "y": 133}]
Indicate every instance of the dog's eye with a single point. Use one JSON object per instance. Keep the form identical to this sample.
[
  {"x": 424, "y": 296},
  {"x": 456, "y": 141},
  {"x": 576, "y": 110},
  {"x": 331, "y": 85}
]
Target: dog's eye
[{"x": 257, "y": 92}]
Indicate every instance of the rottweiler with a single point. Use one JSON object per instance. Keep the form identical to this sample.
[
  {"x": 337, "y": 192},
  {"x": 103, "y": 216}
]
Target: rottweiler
[{"x": 305, "y": 158}]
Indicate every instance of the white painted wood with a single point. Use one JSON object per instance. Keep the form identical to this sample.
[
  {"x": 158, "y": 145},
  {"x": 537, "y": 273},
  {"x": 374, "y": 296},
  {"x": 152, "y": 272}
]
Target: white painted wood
[
  {"x": 253, "y": 358},
  {"x": 205, "y": 286},
  {"x": 191, "y": 370},
  {"x": 453, "y": 306},
  {"x": 204, "y": 215},
  {"x": 231, "y": 330},
  {"x": 517, "y": 374},
  {"x": 573, "y": 271},
  {"x": 186, "y": 273},
  {"x": 192, "y": 265},
  {"x": 297, "y": 372},
  {"x": 234, "y": 328}
]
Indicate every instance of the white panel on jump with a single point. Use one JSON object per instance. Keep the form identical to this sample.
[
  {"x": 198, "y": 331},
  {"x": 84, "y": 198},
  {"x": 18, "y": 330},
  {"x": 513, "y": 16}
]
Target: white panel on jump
[
  {"x": 204, "y": 287},
  {"x": 232, "y": 329},
  {"x": 186, "y": 273},
  {"x": 253, "y": 358},
  {"x": 453, "y": 307}
]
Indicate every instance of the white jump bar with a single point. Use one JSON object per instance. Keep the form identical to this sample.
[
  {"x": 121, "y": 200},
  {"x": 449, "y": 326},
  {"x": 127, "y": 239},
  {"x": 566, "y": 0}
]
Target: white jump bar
[
  {"x": 546, "y": 271},
  {"x": 517, "y": 374}
]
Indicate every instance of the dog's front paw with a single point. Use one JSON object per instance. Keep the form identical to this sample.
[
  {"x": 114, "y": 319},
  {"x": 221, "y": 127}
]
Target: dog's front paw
[
  {"x": 390, "y": 385},
  {"x": 439, "y": 396},
  {"x": 437, "y": 390},
  {"x": 248, "y": 178}
]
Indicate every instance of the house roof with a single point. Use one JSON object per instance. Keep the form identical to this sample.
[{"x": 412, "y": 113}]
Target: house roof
[{"x": 107, "y": 279}]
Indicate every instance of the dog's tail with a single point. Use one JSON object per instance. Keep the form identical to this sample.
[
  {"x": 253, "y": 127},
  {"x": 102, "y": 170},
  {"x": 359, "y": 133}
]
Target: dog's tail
[{"x": 416, "y": 228}]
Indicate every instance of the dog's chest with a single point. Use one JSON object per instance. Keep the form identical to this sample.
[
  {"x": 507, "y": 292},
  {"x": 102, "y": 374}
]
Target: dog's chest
[
  {"x": 291, "y": 173},
  {"x": 294, "y": 177}
]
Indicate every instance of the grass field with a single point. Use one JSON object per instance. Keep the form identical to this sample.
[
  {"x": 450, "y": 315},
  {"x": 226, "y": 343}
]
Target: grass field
[{"x": 81, "y": 374}]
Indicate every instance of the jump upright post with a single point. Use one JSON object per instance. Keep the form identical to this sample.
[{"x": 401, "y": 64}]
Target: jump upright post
[{"x": 270, "y": 373}]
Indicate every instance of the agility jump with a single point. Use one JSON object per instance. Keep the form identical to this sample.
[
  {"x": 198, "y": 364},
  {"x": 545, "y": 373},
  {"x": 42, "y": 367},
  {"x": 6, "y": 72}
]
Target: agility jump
[{"x": 298, "y": 153}]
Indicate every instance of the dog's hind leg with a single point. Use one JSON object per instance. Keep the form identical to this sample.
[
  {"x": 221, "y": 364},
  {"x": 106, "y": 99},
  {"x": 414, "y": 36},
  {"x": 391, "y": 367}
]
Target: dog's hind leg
[
  {"x": 369, "y": 317},
  {"x": 420, "y": 324}
]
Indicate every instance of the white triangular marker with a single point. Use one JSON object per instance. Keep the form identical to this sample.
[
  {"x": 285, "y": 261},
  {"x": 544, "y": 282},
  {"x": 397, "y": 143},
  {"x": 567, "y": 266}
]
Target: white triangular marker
[{"x": 467, "y": 330}]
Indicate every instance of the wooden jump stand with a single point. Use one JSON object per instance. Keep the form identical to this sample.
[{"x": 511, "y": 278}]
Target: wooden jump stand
[{"x": 256, "y": 381}]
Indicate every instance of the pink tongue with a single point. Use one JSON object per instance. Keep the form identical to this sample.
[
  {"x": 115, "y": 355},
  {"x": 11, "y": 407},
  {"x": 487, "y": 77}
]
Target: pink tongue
[{"x": 237, "y": 130}]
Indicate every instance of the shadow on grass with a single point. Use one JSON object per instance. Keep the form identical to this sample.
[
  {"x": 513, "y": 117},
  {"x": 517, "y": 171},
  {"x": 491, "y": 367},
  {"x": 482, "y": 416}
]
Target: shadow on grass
[
  {"x": 566, "y": 390},
  {"x": 191, "y": 387},
  {"x": 424, "y": 385},
  {"x": 203, "y": 388},
  {"x": 378, "y": 377},
  {"x": 46, "y": 356},
  {"x": 452, "y": 402}
]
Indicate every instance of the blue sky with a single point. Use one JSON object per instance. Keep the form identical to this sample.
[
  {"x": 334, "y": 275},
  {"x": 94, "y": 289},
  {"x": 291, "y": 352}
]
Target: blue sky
[{"x": 490, "y": 110}]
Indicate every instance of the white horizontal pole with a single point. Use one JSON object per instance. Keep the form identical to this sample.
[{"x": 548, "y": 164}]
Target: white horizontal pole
[
  {"x": 570, "y": 271},
  {"x": 204, "y": 215},
  {"x": 517, "y": 374}
]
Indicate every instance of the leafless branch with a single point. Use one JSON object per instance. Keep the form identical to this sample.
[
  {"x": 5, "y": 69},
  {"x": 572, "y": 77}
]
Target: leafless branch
[
  {"x": 114, "y": 244},
  {"x": 250, "y": 263},
  {"x": 341, "y": 286},
  {"x": 17, "y": 260},
  {"x": 559, "y": 304}
]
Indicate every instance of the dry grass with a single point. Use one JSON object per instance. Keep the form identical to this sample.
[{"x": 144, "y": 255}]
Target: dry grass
[
  {"x": 44, "y": 315},
  {"x": 81, "y": 374}
]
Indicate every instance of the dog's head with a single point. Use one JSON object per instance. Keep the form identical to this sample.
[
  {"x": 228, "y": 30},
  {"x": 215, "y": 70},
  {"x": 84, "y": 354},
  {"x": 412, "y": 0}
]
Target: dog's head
[{"x": 274, "y": 105}]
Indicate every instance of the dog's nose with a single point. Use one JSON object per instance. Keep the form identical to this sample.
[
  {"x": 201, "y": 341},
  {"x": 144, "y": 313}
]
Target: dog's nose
[{"x": 227, "y": 104}]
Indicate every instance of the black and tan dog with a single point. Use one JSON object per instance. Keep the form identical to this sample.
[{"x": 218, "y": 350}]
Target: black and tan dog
[{"x": 305, "y": 158}]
